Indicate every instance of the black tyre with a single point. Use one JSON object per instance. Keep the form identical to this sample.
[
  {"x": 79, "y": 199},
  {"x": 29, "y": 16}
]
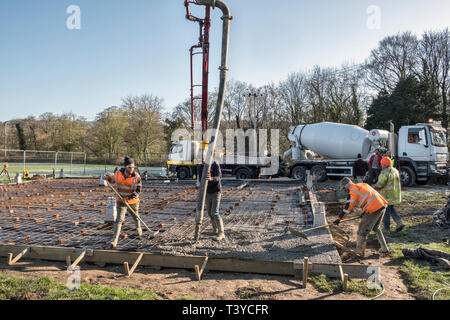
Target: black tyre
[
  {"x": 183, "y": 173},
  {"x": 243, "y": 174},
  {"x": 407, "y": 176},
  {"x": 320, "y": 172},
  {"x": 299, "y": 173}
]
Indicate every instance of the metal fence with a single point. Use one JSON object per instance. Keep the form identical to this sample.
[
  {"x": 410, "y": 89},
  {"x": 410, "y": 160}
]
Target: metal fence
[
  {"x": 44, "y": 162},
  {"x": 75, "y": 164}
]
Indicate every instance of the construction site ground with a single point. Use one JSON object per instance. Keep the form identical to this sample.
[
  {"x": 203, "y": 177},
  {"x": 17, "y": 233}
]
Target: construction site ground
[{"x": 417, "y": 209}]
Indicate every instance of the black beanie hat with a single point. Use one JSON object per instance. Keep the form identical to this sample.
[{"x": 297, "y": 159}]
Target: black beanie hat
[{"x": 128, "y": 161}]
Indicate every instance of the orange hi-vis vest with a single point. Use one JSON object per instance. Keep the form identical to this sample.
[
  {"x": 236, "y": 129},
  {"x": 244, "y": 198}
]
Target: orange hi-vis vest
[
  {"x": 365, "y": 197},
  {"x": 126, "y": 186}
]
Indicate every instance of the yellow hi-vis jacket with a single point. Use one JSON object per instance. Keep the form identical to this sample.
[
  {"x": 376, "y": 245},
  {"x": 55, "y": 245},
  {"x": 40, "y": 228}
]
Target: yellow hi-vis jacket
[
  {"x": 389, "y": 185},
  {"x": 365, "y": 197}
]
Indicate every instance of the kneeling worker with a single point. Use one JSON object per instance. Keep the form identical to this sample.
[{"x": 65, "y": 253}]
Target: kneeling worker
[
  {"x": 129, "y": 185},
  {"x": 373, "y": 206}
]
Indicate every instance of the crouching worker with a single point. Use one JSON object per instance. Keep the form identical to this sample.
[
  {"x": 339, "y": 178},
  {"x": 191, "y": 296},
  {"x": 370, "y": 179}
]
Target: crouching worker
[
  {"x": 129, "y": 185},
  {"x": 373, "y": 206},
  {"x": 213, "y": 197}
]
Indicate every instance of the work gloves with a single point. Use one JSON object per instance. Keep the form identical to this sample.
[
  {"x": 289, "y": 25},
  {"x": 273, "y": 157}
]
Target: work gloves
[
  {"x": 336, "y": 222},
  {"x": 133, "y": 195}
]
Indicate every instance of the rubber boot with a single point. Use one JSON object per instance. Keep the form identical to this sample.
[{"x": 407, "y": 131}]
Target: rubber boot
[
  {"x": 360, "y": 245},
  {"x": 117, "y": 228},
  {"x": 221, "y": 234},
  {"x": 215, "y": 227},
  {"x": 400, "y": 227},
  {"x": 383, "y": 245},
  {"x": 138, "y": 228}
]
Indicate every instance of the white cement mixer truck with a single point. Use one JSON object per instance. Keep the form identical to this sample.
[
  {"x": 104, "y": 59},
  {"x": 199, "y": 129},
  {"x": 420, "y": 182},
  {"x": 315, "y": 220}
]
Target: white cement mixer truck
[{"x": 329, "y": 150}]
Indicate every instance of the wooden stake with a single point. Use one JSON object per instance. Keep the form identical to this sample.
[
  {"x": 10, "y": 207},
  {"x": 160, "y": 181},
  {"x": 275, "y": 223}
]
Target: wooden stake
[
  {"x": 68, "y": 261},
  {"x": 305, "y": 272},
  {"x": 199, "y": 271},
  {"x": 130, "y": 272},
  {"x": 127, "y": 268},
  {"x": 12, "y": 261},
  {"x": 345, "y": 283},
  {"x": 9, "y": 259},
  {"x": 77, "y": 261}
]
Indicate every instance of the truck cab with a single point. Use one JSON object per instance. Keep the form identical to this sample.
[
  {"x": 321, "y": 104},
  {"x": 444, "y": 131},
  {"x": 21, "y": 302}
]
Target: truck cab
[
  {"x": 422, "y": 153},
  {"x": 181, "y": 158}
]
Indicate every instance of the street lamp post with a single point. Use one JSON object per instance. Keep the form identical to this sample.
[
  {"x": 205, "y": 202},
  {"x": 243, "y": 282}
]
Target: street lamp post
[
  {"x": 6, "y": 141},
  {"x": 252, "y": 109}
]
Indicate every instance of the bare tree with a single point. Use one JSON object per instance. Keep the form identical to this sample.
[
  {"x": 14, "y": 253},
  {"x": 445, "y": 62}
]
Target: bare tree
[
  {"x": 145, "y": 132},
  {"x": 395, "y": 59}
]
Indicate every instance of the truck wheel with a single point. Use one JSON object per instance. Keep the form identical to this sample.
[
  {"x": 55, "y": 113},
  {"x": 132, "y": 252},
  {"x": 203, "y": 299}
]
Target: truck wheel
[
  {"x": 183, "y": 173},
  {"x": 299, "y": 173},
  {"x": 243, "y": 174},
  {"x": 407, "y": 176},
  {"x": 320, "y": 172}
]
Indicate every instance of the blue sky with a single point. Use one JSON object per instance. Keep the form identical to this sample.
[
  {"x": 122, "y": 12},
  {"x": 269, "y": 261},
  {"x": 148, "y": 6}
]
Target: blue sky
[{"x": 141, "y": 46}]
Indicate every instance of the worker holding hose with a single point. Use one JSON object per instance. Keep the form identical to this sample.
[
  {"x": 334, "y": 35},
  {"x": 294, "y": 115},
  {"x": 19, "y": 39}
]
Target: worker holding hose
[
  {"x": 129, "y": 185},
  {"x": 373, "y": 206},
  {"x": 213, "y": 197}
]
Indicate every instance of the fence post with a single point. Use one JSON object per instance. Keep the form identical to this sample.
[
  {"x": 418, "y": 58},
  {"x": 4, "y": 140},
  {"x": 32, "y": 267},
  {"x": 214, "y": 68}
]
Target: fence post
[
  {"x": 71, "y": 159},
  {"x": 24, "y": 159},
  {"x": 56, "y": 160}
]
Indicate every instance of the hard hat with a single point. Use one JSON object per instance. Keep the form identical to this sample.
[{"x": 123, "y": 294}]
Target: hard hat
[
  {"x": 386, "y": 161},
  {"x": 345, "y": 183}
]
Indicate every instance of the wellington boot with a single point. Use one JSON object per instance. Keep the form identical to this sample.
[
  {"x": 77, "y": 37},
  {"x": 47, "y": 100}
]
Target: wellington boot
[
  {"x": 361, "y": 246},
  {"x": 221, "y": 232},
  {"x": 383, "y": 245}
]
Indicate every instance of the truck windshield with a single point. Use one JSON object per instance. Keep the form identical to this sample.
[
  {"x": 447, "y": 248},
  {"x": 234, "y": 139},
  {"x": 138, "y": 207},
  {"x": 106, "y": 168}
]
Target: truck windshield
[
  {"x": 438, "y": 138},
  {"x": 176, "y": 148}
]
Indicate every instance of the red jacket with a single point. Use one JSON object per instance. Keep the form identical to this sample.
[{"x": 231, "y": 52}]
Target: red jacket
[{"x": 371, "y": 161}]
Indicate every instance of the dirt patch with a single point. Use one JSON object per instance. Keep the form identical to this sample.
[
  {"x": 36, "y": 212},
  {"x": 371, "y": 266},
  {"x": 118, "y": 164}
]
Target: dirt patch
[
  {"x": 177, "y": 283},
  {"x": 29, "y": 296}
]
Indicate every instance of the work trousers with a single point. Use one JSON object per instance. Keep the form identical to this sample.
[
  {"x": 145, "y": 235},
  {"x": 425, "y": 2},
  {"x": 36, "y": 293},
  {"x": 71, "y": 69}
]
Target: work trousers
[
  {"x": 391, "y": 212},
  {"x": 122, "y": 210},
  {"x": 370, "y": 222},
  {"x": 213, "y": 204},
  {"x": 373, "y": 176}
]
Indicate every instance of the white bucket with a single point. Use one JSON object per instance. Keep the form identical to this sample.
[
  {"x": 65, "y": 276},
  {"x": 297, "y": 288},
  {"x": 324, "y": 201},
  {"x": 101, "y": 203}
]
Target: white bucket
[{"x": 111, "y": 210}]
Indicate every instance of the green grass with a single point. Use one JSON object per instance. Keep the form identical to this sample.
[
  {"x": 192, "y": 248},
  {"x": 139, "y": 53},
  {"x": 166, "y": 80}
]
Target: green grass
[
  {"x": 421, "y": 277},
  {"x": 334, "y": 286},
  {"x": 48, "y": 289},
  {"x": 185, "y": 298}
]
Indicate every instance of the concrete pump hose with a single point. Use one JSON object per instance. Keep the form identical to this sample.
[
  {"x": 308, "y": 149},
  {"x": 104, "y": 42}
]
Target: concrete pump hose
[{"x": 218, "y": 115}]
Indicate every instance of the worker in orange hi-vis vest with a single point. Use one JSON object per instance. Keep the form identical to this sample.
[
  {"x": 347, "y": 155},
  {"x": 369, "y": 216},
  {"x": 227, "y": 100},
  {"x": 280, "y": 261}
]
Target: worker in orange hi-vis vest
[
  {"x": 129, "y": 185},
  {"x": 373, "y": 205}
]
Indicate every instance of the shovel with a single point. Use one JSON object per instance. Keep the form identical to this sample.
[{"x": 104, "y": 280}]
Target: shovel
[
  {"x": 303, "y": 235},
  {"x": 152, "y": 233}
]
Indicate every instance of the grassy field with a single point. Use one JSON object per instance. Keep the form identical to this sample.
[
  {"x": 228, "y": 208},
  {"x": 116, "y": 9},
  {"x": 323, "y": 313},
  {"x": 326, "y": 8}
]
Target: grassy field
[
  {"x": 76, "y": 170},
  {"x": 12, "y": 288},
  {"x": 421, "y": 277}
]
